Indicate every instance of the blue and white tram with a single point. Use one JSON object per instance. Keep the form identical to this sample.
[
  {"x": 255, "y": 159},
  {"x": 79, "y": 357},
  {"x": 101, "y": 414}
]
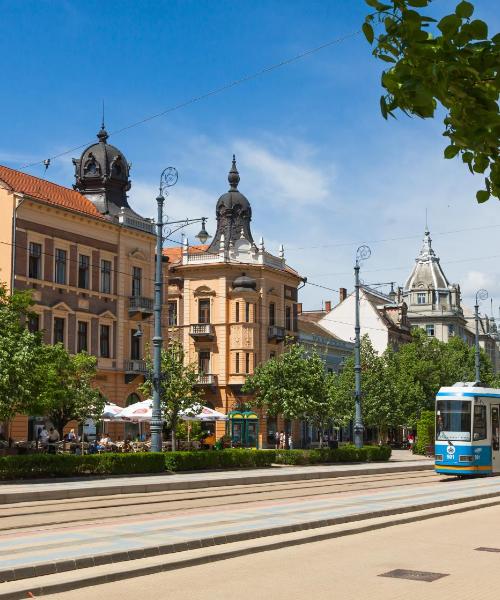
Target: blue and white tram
[{"x": 467, "y": 430}]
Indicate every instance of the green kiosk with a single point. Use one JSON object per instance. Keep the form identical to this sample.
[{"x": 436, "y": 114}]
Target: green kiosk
[{"x": 243, "y": 428}]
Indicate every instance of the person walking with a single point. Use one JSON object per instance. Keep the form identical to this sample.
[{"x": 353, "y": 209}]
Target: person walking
[
  {"x": 290, "y": 441},
  {"x": 276, "y": 440},
  {"x": 53, "y": 440},
  {"x": 282, "y": 440},
  {"x": 43, "y": 437}
]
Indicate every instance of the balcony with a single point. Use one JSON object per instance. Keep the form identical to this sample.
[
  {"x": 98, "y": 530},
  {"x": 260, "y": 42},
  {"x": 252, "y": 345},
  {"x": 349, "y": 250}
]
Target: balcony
[
  {"x": 206, "y": 380},
  {"x": 275, "y": 333},
  {"x": 134, "y": 367},
  {"x": 202, "y": 331},
  {"x": 140, "y": 305}
]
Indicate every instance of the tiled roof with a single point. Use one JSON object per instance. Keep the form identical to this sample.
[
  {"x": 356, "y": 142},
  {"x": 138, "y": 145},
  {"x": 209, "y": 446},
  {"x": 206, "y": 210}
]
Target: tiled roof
[
  {"x": 312, "y": 328},
  {"x": 48, "y": 192},
  {"x": 312, "y": 315},
  {"x": 174, "y": 254}
]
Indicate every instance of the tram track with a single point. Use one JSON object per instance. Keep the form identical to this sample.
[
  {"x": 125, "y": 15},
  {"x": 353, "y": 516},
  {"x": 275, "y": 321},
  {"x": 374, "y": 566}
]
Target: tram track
[{"x": 40, "y": 515}]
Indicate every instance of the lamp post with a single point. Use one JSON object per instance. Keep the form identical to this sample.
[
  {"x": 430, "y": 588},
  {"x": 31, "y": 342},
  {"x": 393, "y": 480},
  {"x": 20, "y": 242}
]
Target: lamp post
[
  {"x": 480, "y": 295},
  {"x": 362, "y": 253},
  {"x": 168, "y": 178}
]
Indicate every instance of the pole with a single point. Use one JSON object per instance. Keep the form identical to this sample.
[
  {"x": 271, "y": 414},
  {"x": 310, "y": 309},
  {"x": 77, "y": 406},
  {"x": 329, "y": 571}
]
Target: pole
[
  {"x": 476, "y": 357},
  {"x": 358, "y": 418},
  {"x": 156, "y": 420}
]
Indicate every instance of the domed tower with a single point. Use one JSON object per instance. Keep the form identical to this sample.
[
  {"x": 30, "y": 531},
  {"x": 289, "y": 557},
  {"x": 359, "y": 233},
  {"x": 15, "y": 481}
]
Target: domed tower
[
  {"x": 233, "y": 212},
  {"x": 102, "y": 175}
]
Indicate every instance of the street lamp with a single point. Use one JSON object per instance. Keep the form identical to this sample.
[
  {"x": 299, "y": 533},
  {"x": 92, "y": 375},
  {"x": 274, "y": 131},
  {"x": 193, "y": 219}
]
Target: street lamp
[
  {"x": 480, "y": 295},
  {"x": 362, "y": 253},
  {"x": 168, "y": 178}
]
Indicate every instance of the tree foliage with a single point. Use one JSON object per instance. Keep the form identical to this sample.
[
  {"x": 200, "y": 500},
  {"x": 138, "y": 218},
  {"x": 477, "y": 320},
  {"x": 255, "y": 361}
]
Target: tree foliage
[
  {"x": 450, "y": 62},
  {"x": 68, "y": 393},
  {"x": 20, "y": 356},
  {"x": 177, "y": 389}
]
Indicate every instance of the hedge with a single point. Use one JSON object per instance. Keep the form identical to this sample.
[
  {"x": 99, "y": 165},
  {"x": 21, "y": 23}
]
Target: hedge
[
  {"x": 333, "y": 455},
  {"x": 31, "y": 466},
  {"x": 221, "y": 459}
]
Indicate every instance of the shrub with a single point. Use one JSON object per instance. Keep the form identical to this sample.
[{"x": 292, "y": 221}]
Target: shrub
[
  {"x": 425, "y": 432},
  {"x": 70, "y": 465},
  {"x": 224, "y": 459},
  {"x": 333, "y": 455}
]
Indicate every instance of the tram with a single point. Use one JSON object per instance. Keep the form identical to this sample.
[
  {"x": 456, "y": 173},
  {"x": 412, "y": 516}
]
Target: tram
[{"x": 467, "y": 430}]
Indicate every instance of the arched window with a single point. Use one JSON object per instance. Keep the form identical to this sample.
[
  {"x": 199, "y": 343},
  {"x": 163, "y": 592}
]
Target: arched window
[{"x": 132, "y": 399}]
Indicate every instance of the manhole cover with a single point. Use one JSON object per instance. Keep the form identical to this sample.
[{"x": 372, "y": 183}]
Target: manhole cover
[
  {"x": 483, "y": 549},
  {"x": 414, "y": 575}
]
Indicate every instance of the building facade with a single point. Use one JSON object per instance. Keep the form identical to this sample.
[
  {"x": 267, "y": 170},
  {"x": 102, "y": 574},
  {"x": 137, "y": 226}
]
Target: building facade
[
  {"x": 89, "y": 260},
  {"x": 232, "y": 304}
]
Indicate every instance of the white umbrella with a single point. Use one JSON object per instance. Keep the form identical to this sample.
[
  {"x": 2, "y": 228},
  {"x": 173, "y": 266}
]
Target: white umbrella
[
  {"x": 138, "y": 412},
  {"x": 111, "y": 411},
  {"x": 202, "y": 413}
]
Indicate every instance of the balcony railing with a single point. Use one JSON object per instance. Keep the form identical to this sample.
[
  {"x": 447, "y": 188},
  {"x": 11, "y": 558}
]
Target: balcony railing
[
  {"x": 140, "y": 304},
  {"x": 135, "y": 366},
  {"x": 206, "y": 379},
  {"x": 276, "y": 333},
  {"x": 200, "y": 331}
]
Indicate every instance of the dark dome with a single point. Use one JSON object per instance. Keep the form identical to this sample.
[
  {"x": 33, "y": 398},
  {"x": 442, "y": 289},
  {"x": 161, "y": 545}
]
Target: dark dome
[
  {"x": 243, "y": 283},
  {"x": 233, "y": 199}
]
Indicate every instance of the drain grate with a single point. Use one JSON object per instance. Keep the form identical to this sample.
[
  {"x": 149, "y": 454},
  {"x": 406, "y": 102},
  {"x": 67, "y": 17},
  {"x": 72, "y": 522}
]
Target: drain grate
[
  {"x": 484, "y": 549},
  {"x": 414, "y": 575}
]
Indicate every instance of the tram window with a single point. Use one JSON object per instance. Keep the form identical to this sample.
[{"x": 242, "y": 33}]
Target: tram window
[
  {"x": 495, "y": 437},
  {"x": 479, "y": 423},
  {"x": 453, "y": 420}
]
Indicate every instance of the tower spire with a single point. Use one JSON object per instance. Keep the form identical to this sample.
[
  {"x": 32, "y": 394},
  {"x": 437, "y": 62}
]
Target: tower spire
[{"x": 233, "y": 176}]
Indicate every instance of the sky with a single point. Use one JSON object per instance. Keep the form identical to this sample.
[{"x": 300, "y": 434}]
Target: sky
[{"x": 322, "y": 169}]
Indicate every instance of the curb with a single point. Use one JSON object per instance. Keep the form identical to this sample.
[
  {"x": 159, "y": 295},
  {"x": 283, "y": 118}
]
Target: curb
[
  {"x": 165, "y": 486},
  {"x": 85, "y": 579}
]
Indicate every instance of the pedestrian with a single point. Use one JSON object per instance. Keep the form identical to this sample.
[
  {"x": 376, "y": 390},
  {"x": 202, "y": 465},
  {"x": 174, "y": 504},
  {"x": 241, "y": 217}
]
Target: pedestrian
[
  {"x": 43, "y": 437},
  {"x": 276, "y": 440},
  {"x": 53, "y": 440},
  {"x": 282, "y": 440},
  {"x": 290, "y": 441},
  {"x": 411, "y": 439}
]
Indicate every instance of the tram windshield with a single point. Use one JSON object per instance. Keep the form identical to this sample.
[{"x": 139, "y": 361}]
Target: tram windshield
[{"x": 453, "y": 420}]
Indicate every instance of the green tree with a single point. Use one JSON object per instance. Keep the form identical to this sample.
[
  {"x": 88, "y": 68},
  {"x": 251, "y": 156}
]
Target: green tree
[
  {"x": 69, "y": 393},
  {"x": 178, "y": 392},
  {"x": 295, "y": 385},
  {"x": 452, "y": 63},
  {"x": 20, "y": 356}
]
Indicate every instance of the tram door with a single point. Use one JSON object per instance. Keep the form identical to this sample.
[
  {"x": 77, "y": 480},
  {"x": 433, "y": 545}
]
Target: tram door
[{"x": 495, "y": 438}]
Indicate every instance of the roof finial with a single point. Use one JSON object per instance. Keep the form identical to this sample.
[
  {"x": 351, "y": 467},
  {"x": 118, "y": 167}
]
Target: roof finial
[
  {"x": 233, "y": 176},
  {"x": 102, "y": 136},
  {"x": 426, "y": 223}
]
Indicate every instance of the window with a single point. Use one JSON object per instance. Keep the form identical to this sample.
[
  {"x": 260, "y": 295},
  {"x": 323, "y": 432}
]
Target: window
[
  {"x": 451, "y": 330},
  {"x": 58, "y": 330},
  {"x": 33, "y": 323},
  {"x": 453, "y": 420},
  {"x": 83, "y": 271},
  {"x": 247, "y": 362},
  {"x": 204, "y": 362},
  {"x": 288, "y": 318},
  {"x": 421, "y": 297},
  {"x": 60, "y": 275},
  {"x": 237, "y": 362},
  {"x": 271, "y": 430},
  {"x": 479, "y": 423},
  {"x": 82, "y": 337},
  {"x": 106, "y": 276},
  {"x": 135, "y": 345},
  {"x": 136, "y": 281},
  {"x": 429, "y": 329},
  {"x": 204, "y": 311},
  {"x": 247, "y": 312},
  {"x": 104, "y": 345},
  {"x": 272, "y": 314},
  {"x": 272, "y": 355},
  {"x": 237, "y": 312},
  {"x": 35, "y": 261},
  {"x": 172, "y": 313}
]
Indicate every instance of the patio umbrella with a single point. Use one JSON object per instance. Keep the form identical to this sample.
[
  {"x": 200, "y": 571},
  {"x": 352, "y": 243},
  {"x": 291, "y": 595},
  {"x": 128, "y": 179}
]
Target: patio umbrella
[
  {"x": 202, "y": 413},
  {"x": 138, "y": 412},
  {"x": 111, "y": 411}
]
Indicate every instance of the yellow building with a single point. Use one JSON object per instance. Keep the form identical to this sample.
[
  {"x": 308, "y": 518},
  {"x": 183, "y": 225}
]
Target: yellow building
[
  {"x": 232, "y": 304},
  {"x": 89, "y": 259}
]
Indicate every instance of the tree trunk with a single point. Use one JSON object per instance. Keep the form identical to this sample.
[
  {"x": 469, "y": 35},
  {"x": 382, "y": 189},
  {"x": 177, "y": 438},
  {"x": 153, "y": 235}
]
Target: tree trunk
[{"x": 174, "y": 441}]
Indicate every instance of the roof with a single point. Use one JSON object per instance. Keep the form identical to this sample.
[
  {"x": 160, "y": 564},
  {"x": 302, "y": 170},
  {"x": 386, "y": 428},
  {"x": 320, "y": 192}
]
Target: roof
[
  {"x": 174, "y": 254},
  {"x": 427, "y": 272},
  {"x": 312, "y": 315},
  {"x": 312, "y": 328},
  {"x": 46, "y": 191}
]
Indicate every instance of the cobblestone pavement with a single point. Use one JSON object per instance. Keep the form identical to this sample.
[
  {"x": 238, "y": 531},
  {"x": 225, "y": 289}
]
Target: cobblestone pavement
[{"x": 347, "y": 568}]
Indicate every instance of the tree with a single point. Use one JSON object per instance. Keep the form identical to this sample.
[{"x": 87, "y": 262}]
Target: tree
[
  {"x": 20, "y": 356},
  {"x": 177, "y": 391},
  {"x": 295, "y": 385},
  {"x": 68, "y": 394},
  {"x": 452, "y": 63}
]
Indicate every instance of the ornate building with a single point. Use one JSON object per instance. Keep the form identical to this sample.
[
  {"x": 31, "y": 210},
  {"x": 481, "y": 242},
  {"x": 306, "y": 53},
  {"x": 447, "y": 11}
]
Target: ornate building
[
  {"x": 433, "y": 303},
  {"x": 232, "y": 304},
  {"x": 89, "y": 259}
]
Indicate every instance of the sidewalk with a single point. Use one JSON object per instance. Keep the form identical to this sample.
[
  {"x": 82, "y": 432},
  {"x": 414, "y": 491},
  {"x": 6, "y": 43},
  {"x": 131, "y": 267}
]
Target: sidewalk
[{"x": 63, "y": 489}]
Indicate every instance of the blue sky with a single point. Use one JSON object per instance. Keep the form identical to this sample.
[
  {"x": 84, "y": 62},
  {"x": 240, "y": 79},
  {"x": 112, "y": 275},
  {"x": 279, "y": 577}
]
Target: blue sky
[{"x": 322, "y": 169}]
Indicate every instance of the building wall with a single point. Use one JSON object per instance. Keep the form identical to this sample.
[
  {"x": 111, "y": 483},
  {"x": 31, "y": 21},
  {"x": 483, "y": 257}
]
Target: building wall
[{"x": 7, "y": 204}]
